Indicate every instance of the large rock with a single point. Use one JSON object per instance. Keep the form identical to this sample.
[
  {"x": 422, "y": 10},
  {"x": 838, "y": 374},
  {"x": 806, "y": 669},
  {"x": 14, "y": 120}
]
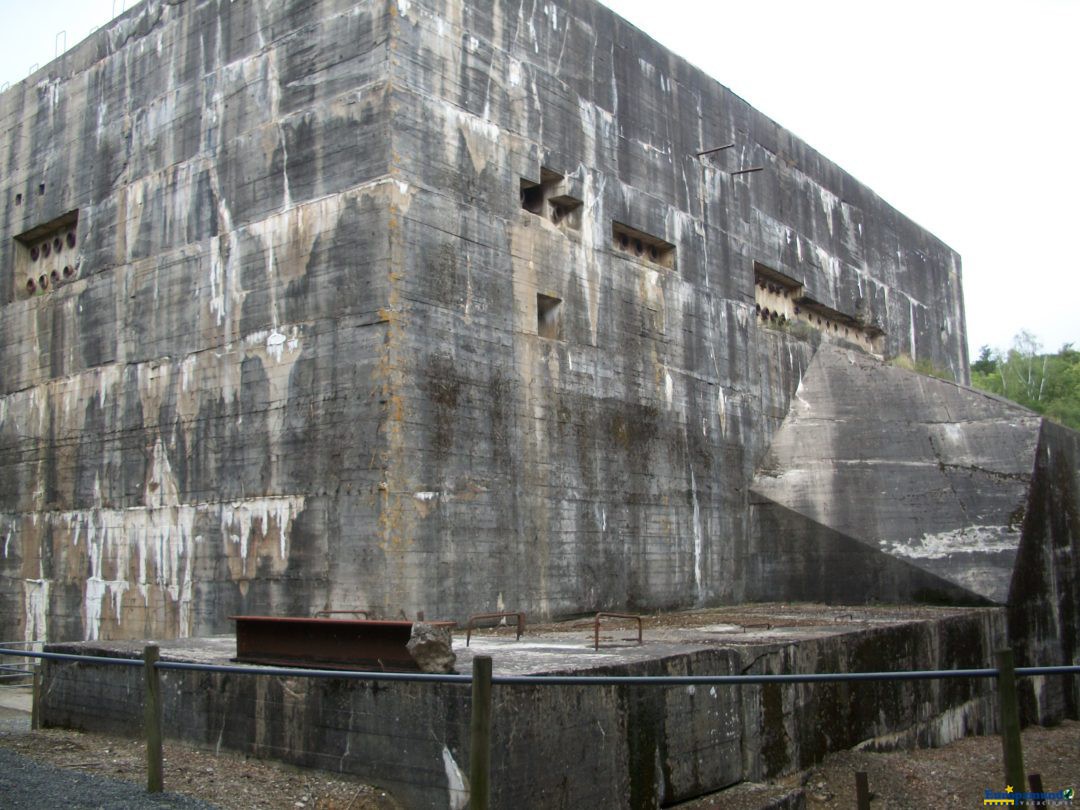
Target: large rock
[{"x": 432, "y": 647}]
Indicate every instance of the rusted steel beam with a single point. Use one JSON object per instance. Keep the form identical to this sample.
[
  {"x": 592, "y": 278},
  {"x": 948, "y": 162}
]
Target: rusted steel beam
[
  {"x": 479, "y": 616},
  {"x": 596, "y": 626},
  {"x": 355, "y": 644}
]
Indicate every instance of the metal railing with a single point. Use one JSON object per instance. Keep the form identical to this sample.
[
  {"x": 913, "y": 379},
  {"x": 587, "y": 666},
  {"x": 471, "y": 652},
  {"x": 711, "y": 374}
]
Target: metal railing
[
  {"x": 14, "y": 674},
  {"x": 482, "y": 680},
  {"x": 477, "y": 617}
]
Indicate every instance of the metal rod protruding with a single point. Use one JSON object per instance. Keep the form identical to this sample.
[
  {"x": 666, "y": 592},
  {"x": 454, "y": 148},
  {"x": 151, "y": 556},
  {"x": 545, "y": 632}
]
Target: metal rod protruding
[{"x": 717, "y": 149}]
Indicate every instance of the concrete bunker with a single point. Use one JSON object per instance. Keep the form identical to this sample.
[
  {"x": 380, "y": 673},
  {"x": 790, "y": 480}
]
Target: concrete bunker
[
  {"x": 285, "y": 389},
  {"x": 251, "y": 447}
]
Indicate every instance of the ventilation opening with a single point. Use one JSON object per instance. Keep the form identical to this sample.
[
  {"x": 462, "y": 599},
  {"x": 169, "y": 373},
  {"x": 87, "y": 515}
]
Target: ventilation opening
[
  {"x": 566, "y": 210},
  {"x": 544, "y": 200},
  {"x": 643, "y": 246},
  {"x": 548, "y": 316},
  {"x": 46, "y": 256},
  {"x": 532, "y": 197},
  {"x": 781, "y": 302}
]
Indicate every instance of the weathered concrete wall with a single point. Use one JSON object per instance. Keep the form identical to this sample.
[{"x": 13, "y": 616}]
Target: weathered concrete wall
[
  {"x": 604, "y": 459},
  {"x": 882, "y": 485},
  {"x": 1044, "y": 595},
  {"x": 313, "y": 350},
  {"x": 569, "y": 746},
  {"x": 187, "y": 425},
  {"x": 887, "y": 485}
]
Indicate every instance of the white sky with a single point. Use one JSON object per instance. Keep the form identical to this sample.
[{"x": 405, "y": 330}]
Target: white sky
[{"x": 964, "y": 114}]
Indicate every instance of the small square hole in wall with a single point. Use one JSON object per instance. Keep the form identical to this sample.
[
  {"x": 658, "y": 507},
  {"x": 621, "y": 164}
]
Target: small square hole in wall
[
  {"x": 532, "y": 197},
  {"x": 18, "y": 199},
  {"x": 548, "y": 316}
]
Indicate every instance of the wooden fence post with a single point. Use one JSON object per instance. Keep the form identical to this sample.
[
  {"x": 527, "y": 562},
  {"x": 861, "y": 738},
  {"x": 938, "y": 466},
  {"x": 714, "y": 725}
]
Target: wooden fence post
[
  {"x": 480, "y": 735},
  {"x": 1010, "y": 721},
  {"x": 152, "y": 720},
  {"x": 35, "y": 699},
  {"x": 862, "y": 791}
]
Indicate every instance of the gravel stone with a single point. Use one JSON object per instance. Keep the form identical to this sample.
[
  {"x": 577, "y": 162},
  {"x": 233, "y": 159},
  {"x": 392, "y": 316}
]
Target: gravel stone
[
  {"x": 61, "y": 768},
  {"x": 31, "y": 784}
]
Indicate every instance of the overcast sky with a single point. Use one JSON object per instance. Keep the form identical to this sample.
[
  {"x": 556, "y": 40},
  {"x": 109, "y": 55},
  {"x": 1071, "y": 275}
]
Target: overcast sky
[{"x": 964, "y": 114}]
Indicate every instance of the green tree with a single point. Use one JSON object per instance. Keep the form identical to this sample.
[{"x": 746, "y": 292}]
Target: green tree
[
  {"x": 1046, "y": 383},
  {"x": 986, "y": 364}
]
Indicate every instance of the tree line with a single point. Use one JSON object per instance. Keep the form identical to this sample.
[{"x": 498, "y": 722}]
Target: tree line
[{"x": 1046, "y": 383}]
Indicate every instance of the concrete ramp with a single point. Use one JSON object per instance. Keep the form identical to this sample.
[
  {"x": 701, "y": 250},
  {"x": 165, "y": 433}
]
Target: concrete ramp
[{"x": 884, "y": 484}]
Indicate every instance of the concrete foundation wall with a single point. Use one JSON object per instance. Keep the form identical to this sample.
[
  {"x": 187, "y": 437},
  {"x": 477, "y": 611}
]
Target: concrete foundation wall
[{"x": 566, "y": 746}]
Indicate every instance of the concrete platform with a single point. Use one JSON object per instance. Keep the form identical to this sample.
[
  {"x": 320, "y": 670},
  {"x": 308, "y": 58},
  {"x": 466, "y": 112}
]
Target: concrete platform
[{"x": 576, "y": 746}]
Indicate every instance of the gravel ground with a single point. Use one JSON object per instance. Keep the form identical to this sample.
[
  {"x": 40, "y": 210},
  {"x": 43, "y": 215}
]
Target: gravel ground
[
  {"x": 954, "y": 776},
  {"x": 58, "y": 767},
  {"x": 28, "y": 783},
  {"x": 109, "y": 771}
]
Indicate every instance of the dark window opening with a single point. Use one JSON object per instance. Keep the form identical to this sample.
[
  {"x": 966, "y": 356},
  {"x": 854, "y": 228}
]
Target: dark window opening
[
  {"x": 548, "y": 316},
  {"x": 532, "y": 197}
]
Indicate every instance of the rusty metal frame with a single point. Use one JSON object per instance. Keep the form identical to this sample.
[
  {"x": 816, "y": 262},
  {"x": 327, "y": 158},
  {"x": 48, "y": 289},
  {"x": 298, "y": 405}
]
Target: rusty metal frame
[
  {"x": 596, "y": 626},
  {"x": 478, "y": 616}
]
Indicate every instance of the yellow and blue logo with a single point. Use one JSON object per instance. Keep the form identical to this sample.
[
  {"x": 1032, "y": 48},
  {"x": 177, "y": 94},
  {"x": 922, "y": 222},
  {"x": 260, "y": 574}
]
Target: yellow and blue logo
[
  {"x": 1010, "y": 797},
  {"x": 999, "y": 798}
]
